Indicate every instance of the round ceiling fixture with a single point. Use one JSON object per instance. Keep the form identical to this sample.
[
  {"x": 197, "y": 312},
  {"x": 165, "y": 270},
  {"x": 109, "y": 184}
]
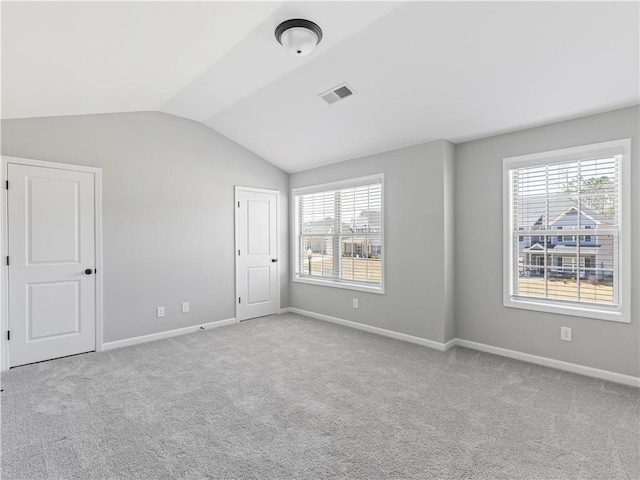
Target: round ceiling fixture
[{"x": 299, "y": 37}]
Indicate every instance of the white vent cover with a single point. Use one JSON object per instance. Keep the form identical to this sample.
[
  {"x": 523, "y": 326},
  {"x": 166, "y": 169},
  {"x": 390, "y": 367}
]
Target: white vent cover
[{"x": 336, "y": 93}]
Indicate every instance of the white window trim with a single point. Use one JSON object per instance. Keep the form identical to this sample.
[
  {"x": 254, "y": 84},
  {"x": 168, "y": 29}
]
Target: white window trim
[
  {"x": 327, "y": 282},
  {"x": 621, "y": 313}
]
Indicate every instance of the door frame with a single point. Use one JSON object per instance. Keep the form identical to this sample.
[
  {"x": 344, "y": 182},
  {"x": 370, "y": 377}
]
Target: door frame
[
  {"x": 237, "y": 190},
  {"x": 4, "y": 277}
]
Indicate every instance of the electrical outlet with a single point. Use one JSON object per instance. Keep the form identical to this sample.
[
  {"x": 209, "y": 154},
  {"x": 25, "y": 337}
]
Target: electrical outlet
[
  {"x": 185, "y": 307},
  {"x": 160, "y": 312},
  {"x": 565, "y": 334},
  {"x": 355, "y": 303}
]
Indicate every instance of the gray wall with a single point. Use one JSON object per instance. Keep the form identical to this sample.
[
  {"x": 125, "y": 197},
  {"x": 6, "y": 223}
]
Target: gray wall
[
  {"x": 418, "y": 295},
  {"x": 168, "y": 230},
  {"x": 480, "y": 315},
  {"x": 168, "y": 216}
]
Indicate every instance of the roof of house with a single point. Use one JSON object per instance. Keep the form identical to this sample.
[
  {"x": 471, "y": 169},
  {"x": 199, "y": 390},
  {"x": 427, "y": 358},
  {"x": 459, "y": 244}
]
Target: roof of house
[
  {"x": 319, "y": 226},
  {"x": 558, "y": 249},
  {"x": 323, "y": 227},
  {"x": 371, "y": 218},
  {"x": 532, "y": 209}
]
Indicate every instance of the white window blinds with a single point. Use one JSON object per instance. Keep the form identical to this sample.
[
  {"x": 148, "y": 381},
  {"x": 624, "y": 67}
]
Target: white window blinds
[
  {"x": 565, "y": 226},
  {"x": 339, "y": 232}
]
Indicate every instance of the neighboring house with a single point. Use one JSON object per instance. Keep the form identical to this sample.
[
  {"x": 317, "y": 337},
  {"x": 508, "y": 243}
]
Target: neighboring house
[
  {"x": 361, "y": 238},
  {"x": 319, "y": 228},
  {"x": 361, "y": 245},
  {"x": 567, "y": 255}
]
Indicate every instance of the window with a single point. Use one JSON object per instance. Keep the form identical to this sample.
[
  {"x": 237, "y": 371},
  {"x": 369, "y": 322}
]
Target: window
[
  {"x": 585, "y": 190},
  {"x": 339, "y": 234}
]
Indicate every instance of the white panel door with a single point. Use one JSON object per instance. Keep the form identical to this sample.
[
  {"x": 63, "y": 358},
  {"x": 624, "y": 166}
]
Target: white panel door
[
  {"x": 52, "y": 281},
  {"x": 257, "y": 286}
]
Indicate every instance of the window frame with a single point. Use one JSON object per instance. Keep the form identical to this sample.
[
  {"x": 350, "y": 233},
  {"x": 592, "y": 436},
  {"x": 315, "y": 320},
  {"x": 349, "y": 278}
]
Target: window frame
[
  {"x": 337, "y": 185},
  {"x": 622, "y": 266}
]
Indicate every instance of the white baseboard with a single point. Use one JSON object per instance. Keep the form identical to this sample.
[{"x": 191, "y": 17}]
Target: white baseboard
[
  {"x": 550, "y": 362},
  {"x": 504, "y": 352},
  {"x": 377, "y": 330},
  {"x": 450, "y": 344},
  {"x": 167, "y": 334}
]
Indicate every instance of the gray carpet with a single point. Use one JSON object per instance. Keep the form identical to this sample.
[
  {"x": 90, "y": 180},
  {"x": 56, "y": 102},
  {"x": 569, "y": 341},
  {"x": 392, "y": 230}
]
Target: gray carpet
[{"x": 292, "y": 398}]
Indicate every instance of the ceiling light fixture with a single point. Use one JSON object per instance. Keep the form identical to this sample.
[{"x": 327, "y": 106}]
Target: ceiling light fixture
[{"x": 299, "y": 37}]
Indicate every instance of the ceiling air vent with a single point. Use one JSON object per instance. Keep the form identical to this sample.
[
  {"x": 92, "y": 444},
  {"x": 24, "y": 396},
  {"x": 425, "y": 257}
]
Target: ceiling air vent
[{"x": 336, "y": 93}]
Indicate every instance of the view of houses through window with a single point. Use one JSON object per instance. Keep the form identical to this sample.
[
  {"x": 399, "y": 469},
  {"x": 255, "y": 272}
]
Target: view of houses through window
[
  {"x": 565, "y": 220},
  {"x": 339, "y": 234}
]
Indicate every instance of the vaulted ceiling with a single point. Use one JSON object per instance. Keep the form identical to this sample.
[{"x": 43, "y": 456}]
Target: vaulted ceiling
[{"x": 420, "y": 70}]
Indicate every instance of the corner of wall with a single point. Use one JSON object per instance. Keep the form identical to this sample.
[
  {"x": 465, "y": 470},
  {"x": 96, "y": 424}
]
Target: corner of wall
[{"x": 448, "y": 177}]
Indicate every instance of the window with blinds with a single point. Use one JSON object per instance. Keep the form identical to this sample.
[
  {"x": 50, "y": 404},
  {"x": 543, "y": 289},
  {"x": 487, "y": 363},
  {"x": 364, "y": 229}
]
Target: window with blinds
[
  {"x": 339, "y": 234},
  {"x": 563, "y": 230}
]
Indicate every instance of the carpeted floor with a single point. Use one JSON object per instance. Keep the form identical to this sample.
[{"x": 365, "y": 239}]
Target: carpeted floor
[{"x": 293, "y": 398}]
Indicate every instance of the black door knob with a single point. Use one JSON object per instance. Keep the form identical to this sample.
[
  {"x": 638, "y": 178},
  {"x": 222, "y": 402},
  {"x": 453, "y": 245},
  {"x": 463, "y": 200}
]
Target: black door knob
[
  {"x": 88, "y": 271},
  {"x": 274, "y": 260}
]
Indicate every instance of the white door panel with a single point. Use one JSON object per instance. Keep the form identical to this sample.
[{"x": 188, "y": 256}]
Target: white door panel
[
  {"x": 44, "y": 298},
  {"x": 258, "y": 284},
  {"x": 51, "y": 230},
  {"x": 52, "y": 235},
  {"x": 258, "y": 223},
  {"x": 257, "y": 279}
]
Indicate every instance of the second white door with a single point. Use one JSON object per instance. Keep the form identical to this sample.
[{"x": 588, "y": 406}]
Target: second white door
[
  {"x": 257, "y": 283},
  {"x": 52, "y": 281}
]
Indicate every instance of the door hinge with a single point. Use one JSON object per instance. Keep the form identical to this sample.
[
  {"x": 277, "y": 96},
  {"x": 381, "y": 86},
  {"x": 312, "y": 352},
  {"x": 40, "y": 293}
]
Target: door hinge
[
  {"x": 238, "y": 202},
  {"x": 7, "y": 260},
  {"x": 238, "y": 252},
  {"x": 239, "y": 300},
  {"x": 6, "y": 185},
  {"x": 8, "y": 334}
]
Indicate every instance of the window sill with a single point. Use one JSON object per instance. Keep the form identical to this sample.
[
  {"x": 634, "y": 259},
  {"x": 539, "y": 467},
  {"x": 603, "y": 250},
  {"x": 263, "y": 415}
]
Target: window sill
[
  {"x": 610, "y": 314},
  {"x": 345, "y": 285}
]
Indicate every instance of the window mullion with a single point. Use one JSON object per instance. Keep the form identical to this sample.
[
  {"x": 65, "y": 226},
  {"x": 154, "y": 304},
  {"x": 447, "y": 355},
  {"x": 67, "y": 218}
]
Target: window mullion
[
  {"x": 336, "y": 242},
  {"x": 300, "y": 229},
  {"x": 616, "y": 266}
]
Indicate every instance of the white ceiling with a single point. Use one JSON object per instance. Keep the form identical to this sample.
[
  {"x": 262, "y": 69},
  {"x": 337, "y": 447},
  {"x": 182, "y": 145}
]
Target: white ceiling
[{"x": 420, "y": 70}]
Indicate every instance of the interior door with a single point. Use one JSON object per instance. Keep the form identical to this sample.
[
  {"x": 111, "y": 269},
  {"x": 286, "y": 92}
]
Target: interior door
[
  {"x": 51, "y": 275},
  {"x": 257, "y": 283}
]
